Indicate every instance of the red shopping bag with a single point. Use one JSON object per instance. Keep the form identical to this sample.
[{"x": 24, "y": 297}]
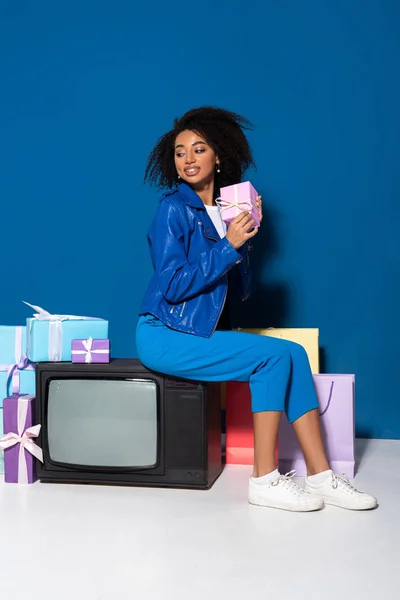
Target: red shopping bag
[{"x": 239, "y": 425}]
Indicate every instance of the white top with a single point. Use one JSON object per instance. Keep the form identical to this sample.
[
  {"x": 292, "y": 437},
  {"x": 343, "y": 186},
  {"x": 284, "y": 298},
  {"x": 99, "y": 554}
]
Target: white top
[{"x": 215, "y": 215}]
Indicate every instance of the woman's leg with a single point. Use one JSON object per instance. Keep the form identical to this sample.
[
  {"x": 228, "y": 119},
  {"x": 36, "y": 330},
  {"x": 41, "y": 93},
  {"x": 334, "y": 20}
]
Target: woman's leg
[
  {"x": 266, "y": 425},
  {"x": 307, "y": 427},
  {"x": 302, "y": 409},
  {"x": 308, "y": 432}
]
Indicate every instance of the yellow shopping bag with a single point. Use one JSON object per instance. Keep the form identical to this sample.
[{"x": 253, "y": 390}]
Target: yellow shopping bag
[{"x": 308, "y": 338}]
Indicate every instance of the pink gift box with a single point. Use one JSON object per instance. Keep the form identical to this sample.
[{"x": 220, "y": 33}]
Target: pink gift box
[
  {"x": 238, "y": 198},
  {"x": 90, "y": 351}
]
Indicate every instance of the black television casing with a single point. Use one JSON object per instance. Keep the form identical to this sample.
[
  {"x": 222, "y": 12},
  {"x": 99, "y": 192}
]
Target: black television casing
[{"x": 188, "y": 423}]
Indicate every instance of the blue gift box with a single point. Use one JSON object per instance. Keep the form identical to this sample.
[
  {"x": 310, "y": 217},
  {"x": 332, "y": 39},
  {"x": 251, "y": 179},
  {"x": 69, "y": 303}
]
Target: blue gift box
[
  {"x": 12, "y": 353},
  {"x": 9, "y": 340},
  {"x": 1, "y": 434},
  {"x": 49, "y": 337},
  {"x": 27, "y": 383}
]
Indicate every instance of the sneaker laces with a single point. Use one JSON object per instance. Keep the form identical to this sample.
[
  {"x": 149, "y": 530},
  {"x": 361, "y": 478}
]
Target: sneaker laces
[
  {"x": 342, "y": 482},
  {"x": 287, "y": 482}
]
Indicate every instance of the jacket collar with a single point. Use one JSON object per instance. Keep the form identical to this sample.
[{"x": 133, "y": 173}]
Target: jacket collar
[
  {"x": 190, "y": 196},
  {"x": 194, "y": 200}
]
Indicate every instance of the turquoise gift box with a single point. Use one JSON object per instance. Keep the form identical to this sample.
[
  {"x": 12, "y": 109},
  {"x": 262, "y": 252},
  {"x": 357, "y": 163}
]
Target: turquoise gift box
[
  {"x": 49, "y": 337},
  {"x": 27, "y": 383},
  {"x": 13, "y": 354},
  {"x": 12, "y": 344}
]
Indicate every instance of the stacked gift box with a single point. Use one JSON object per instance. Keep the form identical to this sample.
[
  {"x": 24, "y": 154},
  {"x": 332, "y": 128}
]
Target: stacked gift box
[{"x": 45, "y": 338}]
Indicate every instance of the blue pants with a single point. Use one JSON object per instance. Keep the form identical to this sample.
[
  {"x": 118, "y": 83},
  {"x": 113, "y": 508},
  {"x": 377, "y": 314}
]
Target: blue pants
[{"x": 278, "y": 370}]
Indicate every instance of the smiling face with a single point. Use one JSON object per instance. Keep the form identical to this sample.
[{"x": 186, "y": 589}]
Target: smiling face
[{"x": 195, "y": 160}]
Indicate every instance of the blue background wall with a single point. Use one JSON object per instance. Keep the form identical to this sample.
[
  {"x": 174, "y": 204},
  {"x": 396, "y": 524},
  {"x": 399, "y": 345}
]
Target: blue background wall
[{"x": 86, "y": 89}]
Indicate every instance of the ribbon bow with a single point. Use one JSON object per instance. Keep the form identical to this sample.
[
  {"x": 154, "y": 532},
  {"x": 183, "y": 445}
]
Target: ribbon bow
[
  {"x": 44, "y": 315},
  {"x": 240, "y": 205},
  {"x": 87, "y": 344},
  {"x": 24, "y": 439}
]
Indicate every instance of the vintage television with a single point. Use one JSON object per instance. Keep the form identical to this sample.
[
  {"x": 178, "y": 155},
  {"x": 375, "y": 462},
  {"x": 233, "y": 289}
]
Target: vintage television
[{"x": 120, "y": 423}]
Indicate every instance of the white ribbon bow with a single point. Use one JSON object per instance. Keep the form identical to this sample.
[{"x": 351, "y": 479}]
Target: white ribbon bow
[
  {"x": 23, "y": 438},
  {"x": 225, "y": 204},
  {"x": 87, "y": 344},
  {"x": 55, "y": 330}
]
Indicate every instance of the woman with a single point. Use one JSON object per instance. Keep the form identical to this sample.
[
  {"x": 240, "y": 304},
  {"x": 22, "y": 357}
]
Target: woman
[{"x": 183, "y": 328}]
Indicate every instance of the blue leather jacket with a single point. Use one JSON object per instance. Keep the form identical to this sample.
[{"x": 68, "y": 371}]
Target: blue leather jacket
[{"x": 192, "y": 265}]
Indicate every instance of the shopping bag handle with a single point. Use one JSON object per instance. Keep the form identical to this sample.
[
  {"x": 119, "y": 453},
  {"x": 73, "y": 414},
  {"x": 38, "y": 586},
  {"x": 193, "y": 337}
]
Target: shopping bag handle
[{"x": 321, "y": 414}]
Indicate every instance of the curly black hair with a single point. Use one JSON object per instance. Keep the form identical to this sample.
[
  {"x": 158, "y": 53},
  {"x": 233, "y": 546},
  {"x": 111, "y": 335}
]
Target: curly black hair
[{"x": 221, "y": 129}]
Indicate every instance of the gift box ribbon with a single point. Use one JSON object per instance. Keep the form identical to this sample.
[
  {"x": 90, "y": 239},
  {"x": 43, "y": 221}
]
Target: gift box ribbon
[
  {"x": 88, "y": 351},
  {"x": 21, "y": 364},
  {"x": 236, "y": 203},
  {"x": 23, "y": 438},
  {"x": 55, "y": 329}
]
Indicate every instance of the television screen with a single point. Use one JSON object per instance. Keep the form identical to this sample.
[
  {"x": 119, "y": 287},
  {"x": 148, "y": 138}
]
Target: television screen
[{"x": 103, "y": 423}]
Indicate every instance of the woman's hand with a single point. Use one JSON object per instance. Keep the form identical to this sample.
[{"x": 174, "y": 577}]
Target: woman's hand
[
  {"x": 259, "y": 206},
  {"x": 239, "y": 230}
]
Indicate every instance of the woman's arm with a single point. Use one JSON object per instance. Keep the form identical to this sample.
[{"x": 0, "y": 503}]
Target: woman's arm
[{"x": 178, "y": 278}]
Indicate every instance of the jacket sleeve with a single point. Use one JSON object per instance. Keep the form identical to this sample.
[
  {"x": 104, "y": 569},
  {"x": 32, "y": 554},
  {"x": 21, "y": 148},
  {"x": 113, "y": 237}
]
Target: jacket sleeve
[
  {"x": 179, "y": 279},
  {"x": 244, "y": 273}
]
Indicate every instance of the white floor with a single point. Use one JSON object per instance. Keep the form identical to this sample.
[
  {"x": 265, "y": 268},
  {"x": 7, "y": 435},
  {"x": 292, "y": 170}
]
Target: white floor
[{"x": 64, "y": 542}]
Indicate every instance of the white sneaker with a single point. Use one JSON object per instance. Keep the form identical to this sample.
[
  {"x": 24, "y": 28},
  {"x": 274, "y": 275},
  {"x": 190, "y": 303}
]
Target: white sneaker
[
  {"x": 282, "y": 492},
  {"x": 338, "y": 491}
]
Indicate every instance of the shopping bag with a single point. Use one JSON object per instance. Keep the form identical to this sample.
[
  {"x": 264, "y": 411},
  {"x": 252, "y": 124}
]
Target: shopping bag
[
  {"x": 239, "y": 424},
  {"x": 336, "y": 404},
  {"x": 306, "y": 337}
]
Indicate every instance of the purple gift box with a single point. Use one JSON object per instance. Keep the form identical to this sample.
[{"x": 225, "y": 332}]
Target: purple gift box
[
  {"x": 17, "y": 442},
  {"x": 91, "y": 351},
  {"x": 238, "y": 198}
]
